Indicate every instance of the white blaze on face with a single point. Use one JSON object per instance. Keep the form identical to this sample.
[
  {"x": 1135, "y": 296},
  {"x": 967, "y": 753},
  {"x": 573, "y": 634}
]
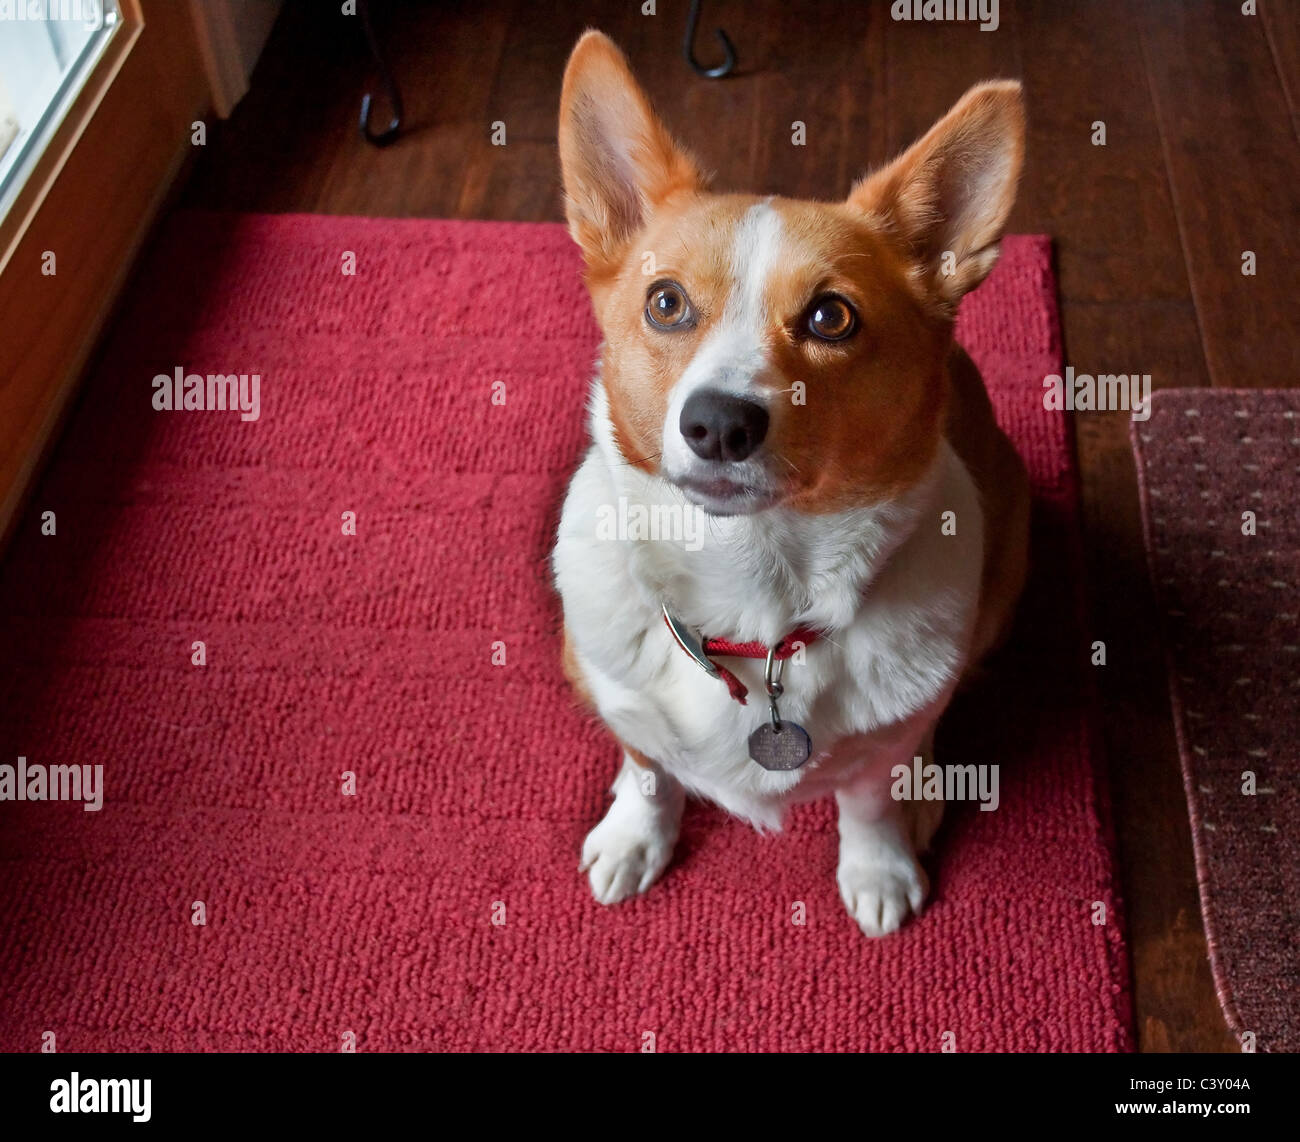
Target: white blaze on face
[{"x": 734, "y": 354}]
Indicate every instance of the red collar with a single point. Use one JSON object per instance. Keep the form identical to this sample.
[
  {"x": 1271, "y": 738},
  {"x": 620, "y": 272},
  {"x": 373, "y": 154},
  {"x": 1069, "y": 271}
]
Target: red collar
[{"x": 703, "y": 650}]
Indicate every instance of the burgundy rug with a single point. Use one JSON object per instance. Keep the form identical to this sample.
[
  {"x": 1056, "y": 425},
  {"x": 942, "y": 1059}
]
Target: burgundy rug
[
  {"x": 439, "y": 904},
  {"x": 1220, "y": 475}
]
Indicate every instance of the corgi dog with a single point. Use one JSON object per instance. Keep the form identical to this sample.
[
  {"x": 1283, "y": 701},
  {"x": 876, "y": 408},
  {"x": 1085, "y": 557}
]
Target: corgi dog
[{"x": 786, "y": 371}]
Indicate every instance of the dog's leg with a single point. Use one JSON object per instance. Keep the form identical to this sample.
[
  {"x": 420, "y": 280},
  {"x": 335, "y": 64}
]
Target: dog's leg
[
  {"x": 633, "y": 843},
  {"x": 924, "y": 816},
  {"x": 881, "y": 881}
]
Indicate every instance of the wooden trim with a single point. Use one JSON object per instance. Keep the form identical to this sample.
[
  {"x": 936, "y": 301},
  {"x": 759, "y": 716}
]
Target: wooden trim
[
  {"x": 90, "y": 200},
  {"x": 52, "y": 159},
  {"x": 231, "y": 37},
  {"x": 219, "y": 46}
]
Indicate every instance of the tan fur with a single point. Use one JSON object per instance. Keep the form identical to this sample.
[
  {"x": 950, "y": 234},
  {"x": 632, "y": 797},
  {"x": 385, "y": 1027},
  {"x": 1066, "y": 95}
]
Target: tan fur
[
  {"x": 598, "y": 88},
  {"x": 1000, "y": 476},
  {"x": 953, "y": 189},
  {"x": 573, "y": 672},
  {"x": 637, "y": 757}
]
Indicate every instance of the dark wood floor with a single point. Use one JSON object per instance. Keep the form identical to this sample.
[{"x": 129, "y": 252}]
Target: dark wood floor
[{"x": 1201, "y": 162}]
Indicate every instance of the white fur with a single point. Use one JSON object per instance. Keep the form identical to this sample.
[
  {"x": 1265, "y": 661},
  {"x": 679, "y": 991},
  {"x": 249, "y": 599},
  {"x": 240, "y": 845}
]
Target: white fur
[
  {"x": 733, "y": 357},
  {"x": 633, "y": 843}
]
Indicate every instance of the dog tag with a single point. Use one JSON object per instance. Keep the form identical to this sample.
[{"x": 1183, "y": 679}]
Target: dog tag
[{"x": 786, "y": 748}]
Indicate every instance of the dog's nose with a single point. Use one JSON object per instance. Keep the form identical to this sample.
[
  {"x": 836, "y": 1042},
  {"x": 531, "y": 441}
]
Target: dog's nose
[{"x": 718, "y": 426}]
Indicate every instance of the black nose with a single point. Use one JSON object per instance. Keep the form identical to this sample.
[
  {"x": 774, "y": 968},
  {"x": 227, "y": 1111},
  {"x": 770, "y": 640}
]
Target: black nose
[{"x": 718, "y": 426}]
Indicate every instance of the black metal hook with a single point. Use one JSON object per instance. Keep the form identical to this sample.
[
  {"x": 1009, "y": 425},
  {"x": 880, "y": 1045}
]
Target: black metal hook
[
  {"x": 386, "y": 136},
  {"x": 726, "y": 67}
]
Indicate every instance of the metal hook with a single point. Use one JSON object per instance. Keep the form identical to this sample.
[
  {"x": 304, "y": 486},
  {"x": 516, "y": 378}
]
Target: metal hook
[
  {"x": 386, "y": 136},
  {"x": 728, "y": 64}
]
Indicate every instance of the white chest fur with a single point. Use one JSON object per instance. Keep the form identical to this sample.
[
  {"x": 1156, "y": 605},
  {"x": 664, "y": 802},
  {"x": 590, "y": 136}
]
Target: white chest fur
[{"x": 895, "y": 591}]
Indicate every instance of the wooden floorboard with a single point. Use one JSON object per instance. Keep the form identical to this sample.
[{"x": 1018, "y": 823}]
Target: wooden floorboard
[
  {"x": 1125, "y": 307},
  {"x": 1230, "y": 147},
  {"x": 1282, "y": 28},
  {"x": 1200, "y": 163}
]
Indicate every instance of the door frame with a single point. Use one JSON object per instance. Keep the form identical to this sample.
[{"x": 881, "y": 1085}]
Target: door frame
[{"x": 89, "y": 201}]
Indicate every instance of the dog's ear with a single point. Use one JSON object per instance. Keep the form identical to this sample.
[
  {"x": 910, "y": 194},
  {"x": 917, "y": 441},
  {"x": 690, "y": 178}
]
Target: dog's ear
[
  {"x": 619, "y": 162},
  {"x": 947, "y": 197}
]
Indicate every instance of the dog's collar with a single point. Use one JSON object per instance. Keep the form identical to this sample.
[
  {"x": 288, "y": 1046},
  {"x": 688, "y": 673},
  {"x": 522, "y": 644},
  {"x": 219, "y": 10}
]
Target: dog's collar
[{"x": 701, "y": 649}]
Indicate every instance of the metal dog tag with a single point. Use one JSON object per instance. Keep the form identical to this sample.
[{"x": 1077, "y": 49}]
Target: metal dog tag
[
  {"x": 785, "y": 748},
  {"x": 777, "y": 744}
]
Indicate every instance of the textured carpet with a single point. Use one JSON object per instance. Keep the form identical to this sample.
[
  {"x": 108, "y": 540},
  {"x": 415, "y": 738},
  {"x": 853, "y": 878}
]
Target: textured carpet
[
  {"x": 440, "y": 905},
  {"x": 1228, "y": 585}
]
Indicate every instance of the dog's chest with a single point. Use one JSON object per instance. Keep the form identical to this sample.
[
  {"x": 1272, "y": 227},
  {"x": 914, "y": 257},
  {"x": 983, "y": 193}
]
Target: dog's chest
[
  {"x": 893, "y": 654},
  {"x": 854, "y": 697}
]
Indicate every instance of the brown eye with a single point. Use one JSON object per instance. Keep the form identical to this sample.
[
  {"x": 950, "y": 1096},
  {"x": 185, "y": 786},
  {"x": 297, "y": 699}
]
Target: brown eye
[
  {"x": 668, "y": 307},
  {"x": 831, "y": 318}
]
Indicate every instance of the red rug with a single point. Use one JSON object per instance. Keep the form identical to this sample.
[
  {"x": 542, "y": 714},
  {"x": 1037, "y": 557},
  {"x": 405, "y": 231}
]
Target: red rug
[
  {"x": 1220, "y": 474},
  {"x": 440, "y": 906}
]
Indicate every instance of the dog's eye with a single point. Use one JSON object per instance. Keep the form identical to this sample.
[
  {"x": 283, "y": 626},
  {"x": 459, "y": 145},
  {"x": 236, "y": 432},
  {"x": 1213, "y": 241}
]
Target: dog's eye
[
  {"x": 831, "y": 318},
  {"x": 668, "y": 307}
]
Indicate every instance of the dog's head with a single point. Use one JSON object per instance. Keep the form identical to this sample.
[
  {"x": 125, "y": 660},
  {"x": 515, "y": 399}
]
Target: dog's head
[{"x": 765, "y": 350}]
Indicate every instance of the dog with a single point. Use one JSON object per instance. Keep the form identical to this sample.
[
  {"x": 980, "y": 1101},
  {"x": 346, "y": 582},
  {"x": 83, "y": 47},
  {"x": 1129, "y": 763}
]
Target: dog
[{"x": 787, "y": 370}]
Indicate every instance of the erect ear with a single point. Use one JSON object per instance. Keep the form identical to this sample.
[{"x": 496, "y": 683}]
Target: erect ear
[
  {"x": 619, "y": 162},
  {"x": 947, "y": 197}
]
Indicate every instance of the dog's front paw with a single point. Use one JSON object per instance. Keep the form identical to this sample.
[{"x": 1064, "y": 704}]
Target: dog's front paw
[
  {"x": 625, "y": 856},
  {"x": 882, "y": 894},
  {"x": 633, "y": 843}
]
